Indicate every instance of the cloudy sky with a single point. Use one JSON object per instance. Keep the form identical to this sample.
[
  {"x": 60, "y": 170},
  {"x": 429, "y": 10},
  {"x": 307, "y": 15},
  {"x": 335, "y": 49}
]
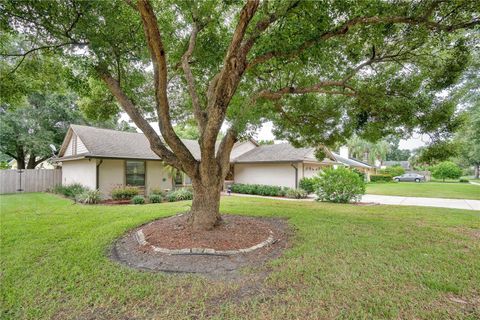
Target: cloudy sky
[{"x": 265, "y": 133}]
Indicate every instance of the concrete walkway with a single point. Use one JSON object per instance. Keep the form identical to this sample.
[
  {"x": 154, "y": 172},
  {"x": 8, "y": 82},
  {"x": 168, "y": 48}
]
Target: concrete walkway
[
  {"x": 395, "y": 200},
  {"x": 424, "y": 202}
]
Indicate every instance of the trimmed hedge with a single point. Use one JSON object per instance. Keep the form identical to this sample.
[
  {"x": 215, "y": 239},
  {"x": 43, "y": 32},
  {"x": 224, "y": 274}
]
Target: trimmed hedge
[
  {"x": 258, "y": 189},
  {"x": 138, "y": 200},
  {"x": 381, "y": 178},
  {"x": 124, "y": 193},
  {"x": 393, "y": 171}
]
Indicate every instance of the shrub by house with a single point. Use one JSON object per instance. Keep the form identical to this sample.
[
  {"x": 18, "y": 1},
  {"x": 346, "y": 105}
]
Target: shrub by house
[{"x": 340, "y": 185}]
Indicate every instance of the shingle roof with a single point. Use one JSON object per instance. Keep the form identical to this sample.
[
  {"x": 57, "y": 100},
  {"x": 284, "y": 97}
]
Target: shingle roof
[
  {"x": 109, "y": 143},
  {"x": 351, "y": 162},
  {"x": 121, "y": 144},
  {"x": 282, "y": 152}
]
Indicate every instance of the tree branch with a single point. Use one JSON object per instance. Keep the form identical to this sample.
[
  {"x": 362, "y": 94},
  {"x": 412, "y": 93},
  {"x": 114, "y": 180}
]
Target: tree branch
[
  {"x": 155, "y": 142},
  {"x": 316, "y": 88},
  {"x": 199, "y": 114},
  {"x": 224, "y": 150},
  {"x": 157, "y": 52},
  {"x": 26, "y": 53},
  {"x": 344, "y": 29},
  {"x": 224, "y": 84},
  {"x": 37, "y": 162},
  {"x": 263, "y": 25}
]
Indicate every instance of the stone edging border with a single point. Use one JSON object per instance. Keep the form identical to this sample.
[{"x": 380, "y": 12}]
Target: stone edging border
[{"x": 140, "y": 237}]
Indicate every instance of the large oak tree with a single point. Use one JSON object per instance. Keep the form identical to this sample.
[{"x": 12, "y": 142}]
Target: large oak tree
[{"x": 320, "y": 70}]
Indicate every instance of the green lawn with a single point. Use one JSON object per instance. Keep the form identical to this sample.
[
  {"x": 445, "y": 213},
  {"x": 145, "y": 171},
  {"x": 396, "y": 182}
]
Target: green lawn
[
  {"x": 346, "y": 262},
  {"x": 426, "y": 189}
]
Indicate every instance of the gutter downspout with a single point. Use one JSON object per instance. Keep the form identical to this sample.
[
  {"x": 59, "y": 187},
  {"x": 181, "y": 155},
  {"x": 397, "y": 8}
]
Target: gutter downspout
[
  {"x": 296, "y": 175},
  {"x": 98, "y": 174}
]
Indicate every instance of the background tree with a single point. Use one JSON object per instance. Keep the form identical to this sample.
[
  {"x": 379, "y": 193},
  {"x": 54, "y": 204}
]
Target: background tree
[
  {"x": 38, "y": 104},
  {"x": 27, "y": 131},
  {"x": 468, "y": 139},
  {"x": 266, "y": 142},
  {"x": 446, "y": 170},
  {"x": 395, "y": 153},
  {"x": 319, "y": 71},
  {"x": 367, "y": 151}
]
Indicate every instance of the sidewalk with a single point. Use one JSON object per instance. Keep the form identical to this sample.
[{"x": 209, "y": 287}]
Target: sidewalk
[
  {"x": 395, "y": 200},
  {"x": 424, "y": 202}
]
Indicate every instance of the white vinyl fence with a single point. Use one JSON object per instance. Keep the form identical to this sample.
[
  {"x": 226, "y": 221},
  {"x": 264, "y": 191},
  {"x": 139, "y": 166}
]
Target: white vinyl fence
[{"x": 29, "y": 180}]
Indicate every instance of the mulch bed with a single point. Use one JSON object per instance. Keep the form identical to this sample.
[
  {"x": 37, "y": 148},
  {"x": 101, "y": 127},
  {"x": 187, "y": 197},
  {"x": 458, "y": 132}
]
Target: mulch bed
[
  {"x": 129, "y": 252},
  {"x": 234, "y": 232},
  {"x": 115, "y": 202}
]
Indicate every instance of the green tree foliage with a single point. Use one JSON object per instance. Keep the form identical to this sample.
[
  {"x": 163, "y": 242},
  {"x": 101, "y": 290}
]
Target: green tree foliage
[
  {"x": 468, "y": 139},
  {"x": 437, "y": 152},
  {"x": 28, "y": 130},
  {"x": 395, "y": 153},
  {"x": 446, "y": 170},
  {"x": 39, "y": 101},
  {"x": 187, "y": 131},
  {"x": 368, "y": 151},
  {"x": 265, "y": 142},
  {"x": 320, "y": 71},
  {"x": 339, "y": 185}
]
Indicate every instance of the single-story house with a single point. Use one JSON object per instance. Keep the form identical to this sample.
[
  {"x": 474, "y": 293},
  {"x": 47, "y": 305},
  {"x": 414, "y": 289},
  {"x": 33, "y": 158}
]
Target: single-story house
[
  {"x": 103, "y": 159},
  {"x": 343, "y": 157}
]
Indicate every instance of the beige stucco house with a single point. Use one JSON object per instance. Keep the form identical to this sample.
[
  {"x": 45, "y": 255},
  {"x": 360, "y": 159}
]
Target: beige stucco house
[{"x": 103, "y": 159}]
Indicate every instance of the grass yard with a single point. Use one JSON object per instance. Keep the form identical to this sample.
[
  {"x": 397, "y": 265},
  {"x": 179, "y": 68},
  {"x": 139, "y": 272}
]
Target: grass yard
[
  {"x": 346, "y": 262},
  {"x": 426, "y": 189}
]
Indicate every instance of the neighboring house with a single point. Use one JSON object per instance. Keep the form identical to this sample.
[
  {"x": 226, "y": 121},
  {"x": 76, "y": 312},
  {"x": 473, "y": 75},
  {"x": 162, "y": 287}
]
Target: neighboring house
[
  {"x": 103, "y": 159},
  {"x": 343, "y": 157},
  {"x": 42, "y": 165},
  {"x": 405, "y": 164}
]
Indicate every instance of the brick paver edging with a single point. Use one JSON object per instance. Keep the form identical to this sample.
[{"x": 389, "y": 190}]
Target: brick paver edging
[{"x": 140, "y": 237}]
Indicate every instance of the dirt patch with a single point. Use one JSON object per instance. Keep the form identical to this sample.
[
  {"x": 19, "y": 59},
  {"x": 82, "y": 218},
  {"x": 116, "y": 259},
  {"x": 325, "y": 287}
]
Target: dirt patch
[
  {"x": 234, "y": 232},
  {"x": 365, "y": 204},
  {"x": 469, "y": 232},
  {"x": 128, "y": 251}
]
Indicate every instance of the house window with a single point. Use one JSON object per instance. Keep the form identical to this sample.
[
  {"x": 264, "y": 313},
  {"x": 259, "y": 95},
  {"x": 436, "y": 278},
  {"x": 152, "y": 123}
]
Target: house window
[
  {"x": 182, "y": 179},
  {"x": 135, "y": 173},
  {"x": 178, "y": 177}
]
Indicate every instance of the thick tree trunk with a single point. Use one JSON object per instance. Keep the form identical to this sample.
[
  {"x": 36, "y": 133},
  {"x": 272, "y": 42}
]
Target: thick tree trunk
[
  {"x": 31, "y": 162},
  {"x": 20, "y": 157},
  {"x": 205, "y": 211},
  {"x": 477, "y": 171},
  {"x": 20, "y": 163}
]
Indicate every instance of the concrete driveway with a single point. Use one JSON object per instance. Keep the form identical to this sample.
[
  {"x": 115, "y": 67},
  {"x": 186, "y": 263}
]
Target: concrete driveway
[
  {"x": 424, "y": 202},
  {"x": 396, "y": 200}
]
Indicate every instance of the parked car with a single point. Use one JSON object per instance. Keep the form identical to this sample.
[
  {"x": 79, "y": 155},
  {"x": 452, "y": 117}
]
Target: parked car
[{"x": 410, "y": 177}]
